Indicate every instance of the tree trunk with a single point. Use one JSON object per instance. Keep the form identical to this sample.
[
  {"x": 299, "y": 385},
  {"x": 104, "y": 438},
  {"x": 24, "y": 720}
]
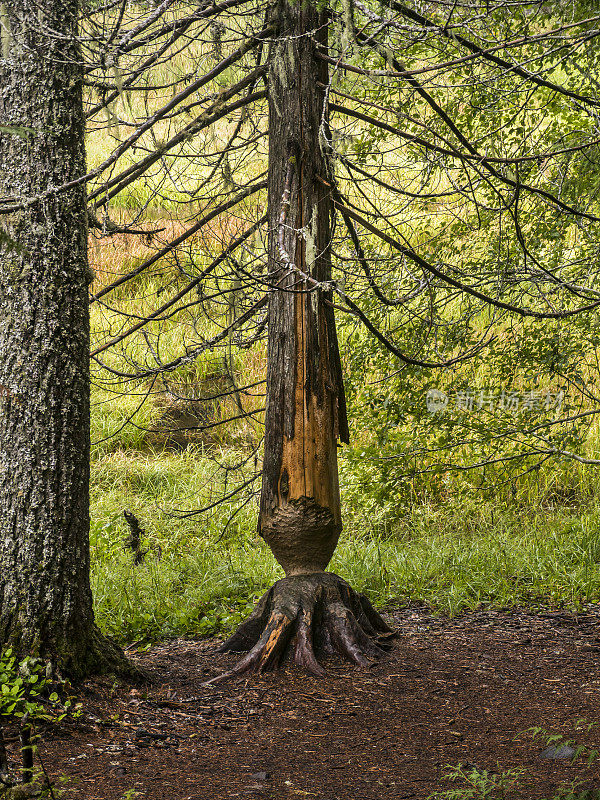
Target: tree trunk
[
  {"x": 300, "y": 515},
  {"x": 300, "y": 518},
  {"x": 45, "y": 596}
]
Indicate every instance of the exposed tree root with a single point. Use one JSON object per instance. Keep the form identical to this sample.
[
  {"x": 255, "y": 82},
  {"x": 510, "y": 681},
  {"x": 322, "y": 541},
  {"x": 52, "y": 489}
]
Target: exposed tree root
[{"x": 302, "y": 614}]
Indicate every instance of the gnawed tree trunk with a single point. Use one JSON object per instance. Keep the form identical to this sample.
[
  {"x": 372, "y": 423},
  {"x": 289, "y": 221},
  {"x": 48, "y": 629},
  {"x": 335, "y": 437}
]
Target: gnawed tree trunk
[
  {"x": 45, "y": 596},
  {"x": 300, "y": 516}
]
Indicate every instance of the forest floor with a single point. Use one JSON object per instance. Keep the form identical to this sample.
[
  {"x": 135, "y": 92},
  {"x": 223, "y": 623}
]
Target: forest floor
[{"x": 462, "y": 690}]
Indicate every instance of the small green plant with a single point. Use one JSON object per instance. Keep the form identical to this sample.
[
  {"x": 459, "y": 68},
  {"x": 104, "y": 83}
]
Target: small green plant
[
  {"x": 29, "y": 695},
  {"x": 557, "y": 740},
  {"x": 474, "y": 783},
  {"x": 574, "y": 792},
  {"x": 27, "y": 691},
  {"x": 478, "y": 784}
]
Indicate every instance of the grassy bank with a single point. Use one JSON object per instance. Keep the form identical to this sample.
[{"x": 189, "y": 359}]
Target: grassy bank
[{"x": 196, "y": 580}]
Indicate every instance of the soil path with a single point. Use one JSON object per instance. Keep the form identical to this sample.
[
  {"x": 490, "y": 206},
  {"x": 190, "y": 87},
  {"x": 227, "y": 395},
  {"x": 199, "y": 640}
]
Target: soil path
[{"x": 451, "y": 691}]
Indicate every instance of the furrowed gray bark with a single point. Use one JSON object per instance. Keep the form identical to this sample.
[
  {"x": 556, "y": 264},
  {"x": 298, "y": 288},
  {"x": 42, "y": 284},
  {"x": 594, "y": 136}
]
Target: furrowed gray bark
[{"x": 45, "y": 596}]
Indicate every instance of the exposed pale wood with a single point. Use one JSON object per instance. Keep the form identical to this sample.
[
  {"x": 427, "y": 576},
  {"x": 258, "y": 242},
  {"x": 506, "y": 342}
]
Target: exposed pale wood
[
  {"x": 300, "y": 515},
  {"x": 302, "y": 615}
]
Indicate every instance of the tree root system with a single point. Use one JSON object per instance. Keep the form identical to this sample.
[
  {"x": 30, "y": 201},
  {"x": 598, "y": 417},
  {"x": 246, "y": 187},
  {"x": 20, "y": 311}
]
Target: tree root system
[{"x": 302, "y": 615}]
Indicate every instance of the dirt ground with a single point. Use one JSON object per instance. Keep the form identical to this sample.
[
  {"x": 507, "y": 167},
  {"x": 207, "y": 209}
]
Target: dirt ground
[{"x": 461, "y": 690}]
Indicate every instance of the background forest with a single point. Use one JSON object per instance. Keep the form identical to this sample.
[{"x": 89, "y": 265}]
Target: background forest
[
  {"x": 290, "y": 248},
  {"x": 471, "y": 483}
]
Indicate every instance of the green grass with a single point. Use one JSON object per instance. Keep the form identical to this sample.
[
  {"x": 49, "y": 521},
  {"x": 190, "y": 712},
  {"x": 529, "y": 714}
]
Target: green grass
[
  {"x": 194, "y": 581},
  {"x": 444, "y": 544},
  {"x": 435, "y": 540},
  {"x": 438, "y": 542}
]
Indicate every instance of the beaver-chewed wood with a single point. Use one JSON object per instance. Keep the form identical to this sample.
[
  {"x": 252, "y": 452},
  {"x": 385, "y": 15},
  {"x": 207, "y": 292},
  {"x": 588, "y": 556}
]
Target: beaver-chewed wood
[
  {"x": 300, "y": 518},
  {"x": 305, "y": 615}
]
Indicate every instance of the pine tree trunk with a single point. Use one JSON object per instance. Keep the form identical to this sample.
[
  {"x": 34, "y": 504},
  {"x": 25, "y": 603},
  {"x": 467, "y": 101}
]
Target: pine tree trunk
[
  {"x": 300, "y": 514},
  {"x": 309, "y": 611},
  {"x": 45, "y": 596}
]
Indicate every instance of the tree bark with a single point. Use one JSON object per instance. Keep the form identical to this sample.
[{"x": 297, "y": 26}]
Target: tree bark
[
  {"x": 309, "y": 611},
  {"x": 45, "y": 596},
  {"x": 300, "y": 514}
]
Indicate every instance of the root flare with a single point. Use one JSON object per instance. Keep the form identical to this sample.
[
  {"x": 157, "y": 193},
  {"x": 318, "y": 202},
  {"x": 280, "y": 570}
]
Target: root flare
[{"x": 302, "y": 614}]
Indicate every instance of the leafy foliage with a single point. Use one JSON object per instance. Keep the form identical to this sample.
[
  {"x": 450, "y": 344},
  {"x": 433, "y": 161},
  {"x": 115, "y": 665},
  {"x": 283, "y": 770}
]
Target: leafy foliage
[{"x": 27, "y": 691}]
